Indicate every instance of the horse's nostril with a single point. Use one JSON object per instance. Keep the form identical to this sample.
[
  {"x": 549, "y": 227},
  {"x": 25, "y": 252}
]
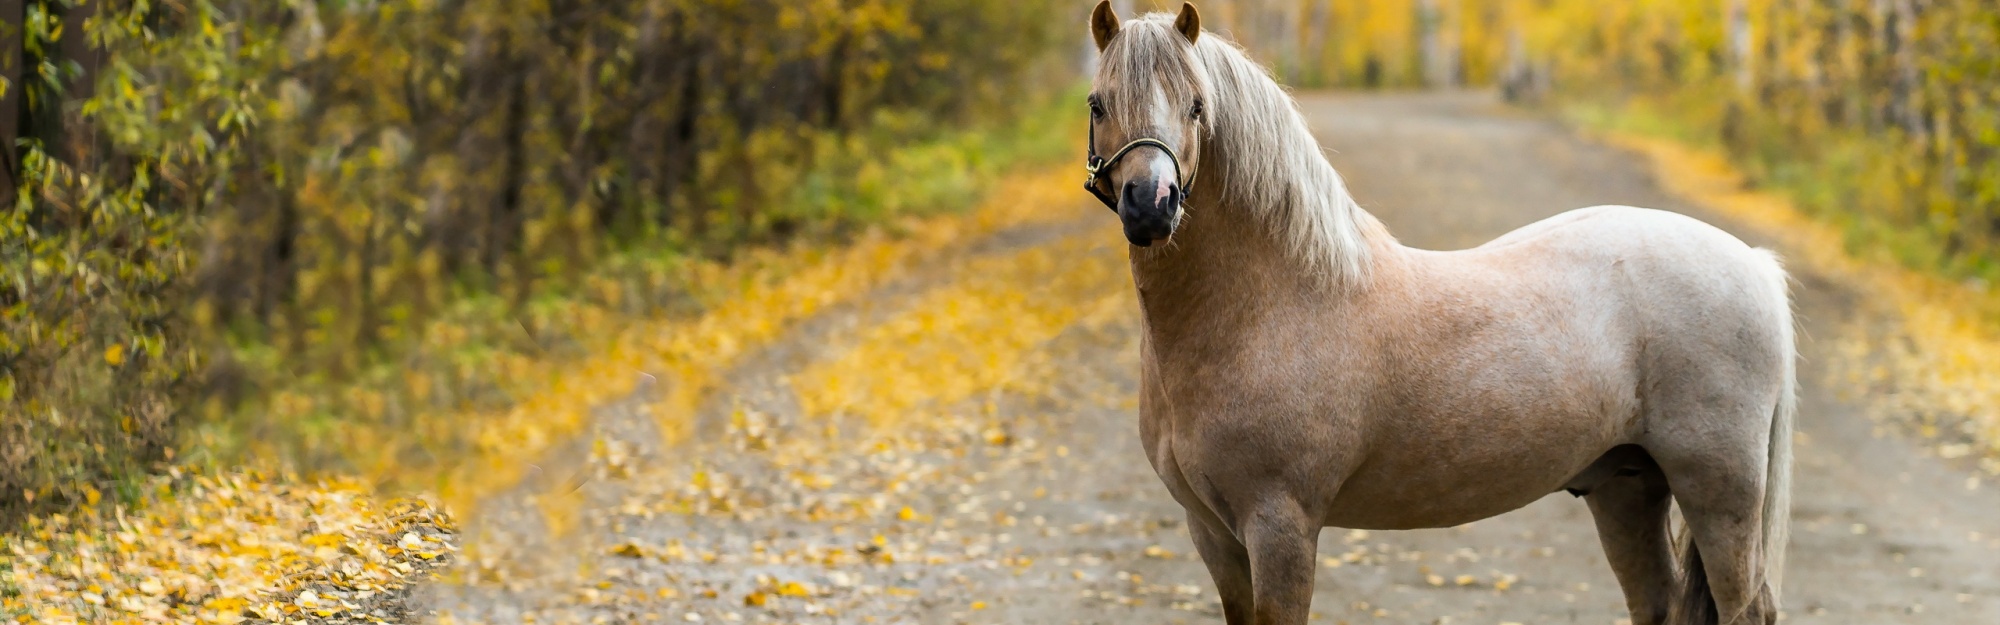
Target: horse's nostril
[{"x": 1131, "y": 185}]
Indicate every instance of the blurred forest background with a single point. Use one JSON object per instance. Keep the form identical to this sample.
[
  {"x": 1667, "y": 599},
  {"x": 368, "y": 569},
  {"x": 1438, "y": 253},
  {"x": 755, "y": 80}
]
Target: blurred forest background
[{"x": 257, "y": 227}]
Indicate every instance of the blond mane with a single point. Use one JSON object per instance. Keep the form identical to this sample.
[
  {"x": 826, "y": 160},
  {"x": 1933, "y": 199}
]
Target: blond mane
[{"x": 1258, "y": 154}]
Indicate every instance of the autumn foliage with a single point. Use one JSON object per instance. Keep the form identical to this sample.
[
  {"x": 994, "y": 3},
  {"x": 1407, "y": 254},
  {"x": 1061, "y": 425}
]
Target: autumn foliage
[{"x": 213, "y": 201}]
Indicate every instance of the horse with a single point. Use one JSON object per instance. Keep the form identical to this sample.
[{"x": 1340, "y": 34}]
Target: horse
[{"x": 1301, "y": 369}]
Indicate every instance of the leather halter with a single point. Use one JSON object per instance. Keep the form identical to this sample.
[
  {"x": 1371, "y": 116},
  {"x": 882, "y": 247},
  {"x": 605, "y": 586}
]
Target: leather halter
[{"x": 1094, "y": 165}]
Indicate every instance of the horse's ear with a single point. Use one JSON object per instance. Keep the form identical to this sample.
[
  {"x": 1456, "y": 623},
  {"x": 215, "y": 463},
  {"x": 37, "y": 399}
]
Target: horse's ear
[
  {"x": 1189, "y": 23},
  {"x": 1103, "y": 24}
]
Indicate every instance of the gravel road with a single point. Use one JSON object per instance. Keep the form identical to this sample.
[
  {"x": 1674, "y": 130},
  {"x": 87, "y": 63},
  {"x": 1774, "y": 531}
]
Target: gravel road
[{"x": 1028, "y": 500}]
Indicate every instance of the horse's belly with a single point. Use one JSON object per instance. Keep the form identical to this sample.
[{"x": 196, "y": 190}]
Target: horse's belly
[{"x": 1425, "y": 486}]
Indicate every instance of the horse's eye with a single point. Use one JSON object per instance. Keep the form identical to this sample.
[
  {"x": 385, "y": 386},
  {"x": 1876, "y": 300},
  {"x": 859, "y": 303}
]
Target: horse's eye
[
  {"x": 1196, "y": 111},
  {"x": 1096, "y": 111}
]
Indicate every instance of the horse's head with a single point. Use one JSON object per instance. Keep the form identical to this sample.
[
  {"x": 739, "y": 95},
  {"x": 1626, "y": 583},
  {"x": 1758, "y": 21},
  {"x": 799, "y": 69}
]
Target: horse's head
[{"x": 1147, "y": 117}]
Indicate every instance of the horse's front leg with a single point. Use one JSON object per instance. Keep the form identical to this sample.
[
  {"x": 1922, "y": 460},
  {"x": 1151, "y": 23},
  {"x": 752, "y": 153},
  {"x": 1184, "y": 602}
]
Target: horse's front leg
[
  {"x": 1228, "y": 563},
  {"x": 1282, "y": 542}
]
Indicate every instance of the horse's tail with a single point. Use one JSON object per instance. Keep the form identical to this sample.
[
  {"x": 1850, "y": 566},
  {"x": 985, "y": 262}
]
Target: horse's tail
[
  {"x": 1777, "y": 527},
  {"x": 1696, "y": 604}
]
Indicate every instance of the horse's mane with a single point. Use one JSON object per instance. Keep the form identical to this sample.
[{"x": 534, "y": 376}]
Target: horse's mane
[{"x": 1259, "y": 149}]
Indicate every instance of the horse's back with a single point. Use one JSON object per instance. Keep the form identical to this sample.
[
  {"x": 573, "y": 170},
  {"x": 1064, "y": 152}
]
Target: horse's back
[
  {"x": 1676, "y": 269},
  {"x": 1656, "y": 256},
  {"x": 1708, "y": 309}
]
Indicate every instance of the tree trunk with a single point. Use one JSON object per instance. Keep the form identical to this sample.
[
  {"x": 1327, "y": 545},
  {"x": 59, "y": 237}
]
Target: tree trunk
[
  {"x": 1904, "y": 82},
  {"x": 13, "y": 13},
  {"x": 40, "y": 111},
  {"x": 505, "y": 226},
  {"x": 1437, "y": 46},
  {"x": 1737, "y": 20}
]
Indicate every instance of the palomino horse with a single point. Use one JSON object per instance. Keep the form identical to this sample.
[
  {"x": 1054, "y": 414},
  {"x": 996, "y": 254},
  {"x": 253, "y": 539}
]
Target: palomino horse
[{"x": 1304, "y": 370}]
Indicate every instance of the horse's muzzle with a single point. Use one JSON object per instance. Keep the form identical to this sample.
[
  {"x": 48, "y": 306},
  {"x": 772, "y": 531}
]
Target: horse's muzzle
[{"x": 1149, "y": 213}]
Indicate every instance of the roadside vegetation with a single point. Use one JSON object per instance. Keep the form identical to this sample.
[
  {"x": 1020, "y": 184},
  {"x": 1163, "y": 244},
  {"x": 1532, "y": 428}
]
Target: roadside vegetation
[
  {"x": 223, "y": 545},
  {"x": 288, "y": 233},
  {"x": 268, "y": 266}
]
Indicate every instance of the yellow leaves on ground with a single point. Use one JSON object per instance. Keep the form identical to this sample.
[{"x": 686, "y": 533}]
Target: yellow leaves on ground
[
  {"x": 235, "y": 546},
  {"x": 793, "y": 589},
  {"x": 972, "y": 337},
  {"x": 221, "y": 548},
  {"x": 750, "y": 302},
  {"x": 629, "y": 550},
  {"x": 768, "y": 587},
  {"x": 1938, "y": 364}
]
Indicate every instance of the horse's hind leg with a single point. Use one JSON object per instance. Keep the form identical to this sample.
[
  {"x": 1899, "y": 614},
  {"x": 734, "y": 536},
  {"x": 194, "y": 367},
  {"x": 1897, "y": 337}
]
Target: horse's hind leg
[
  {"x": 1719, "y": 485},
  {"x": 1631, "y": 513},
  {"x": 1228, "y": 563}
]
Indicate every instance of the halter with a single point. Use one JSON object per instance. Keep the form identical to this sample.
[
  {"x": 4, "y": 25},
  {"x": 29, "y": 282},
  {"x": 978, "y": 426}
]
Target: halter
[{"x": 1093, "y": 165}]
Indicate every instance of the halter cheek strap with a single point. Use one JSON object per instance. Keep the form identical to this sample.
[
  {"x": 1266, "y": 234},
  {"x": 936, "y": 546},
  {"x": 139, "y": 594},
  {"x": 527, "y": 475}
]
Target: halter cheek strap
[{"x": 1094, "y": 165}]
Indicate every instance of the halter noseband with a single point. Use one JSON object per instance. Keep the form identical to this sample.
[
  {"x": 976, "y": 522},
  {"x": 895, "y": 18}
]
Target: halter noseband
[{"x": 1093, "y": 165}]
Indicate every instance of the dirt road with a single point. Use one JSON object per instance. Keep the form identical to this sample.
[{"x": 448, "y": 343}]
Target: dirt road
[{"x": 963, "y": 449}]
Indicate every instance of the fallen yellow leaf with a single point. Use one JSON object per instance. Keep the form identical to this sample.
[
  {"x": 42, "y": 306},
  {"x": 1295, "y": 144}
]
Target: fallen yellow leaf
[
  {"x": 793, "y": 589},
  {"x": 628, "y": 550}
]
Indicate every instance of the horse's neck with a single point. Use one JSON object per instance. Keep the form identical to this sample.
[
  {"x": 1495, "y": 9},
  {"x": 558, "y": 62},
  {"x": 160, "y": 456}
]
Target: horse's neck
[
  {"x": 1224, "y": 273},
  {"x": 1231, "y": 265}
]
